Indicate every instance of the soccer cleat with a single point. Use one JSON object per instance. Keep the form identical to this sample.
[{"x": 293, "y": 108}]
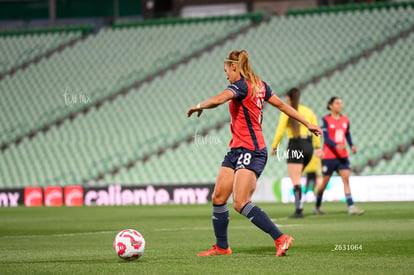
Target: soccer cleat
[
  {"x": 216, "y": 251},
  {"x": 355, "y": 211},
  {"x": 297, "y": 214},
  {"x": 318, "y": 212},
  {"x": 282, "y": 245}
]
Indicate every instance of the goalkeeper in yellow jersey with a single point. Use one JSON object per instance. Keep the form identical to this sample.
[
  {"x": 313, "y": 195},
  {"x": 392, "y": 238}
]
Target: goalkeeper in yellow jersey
[
  {"x": 300, "y": 146},
  {"x": 313, "y": 173}
]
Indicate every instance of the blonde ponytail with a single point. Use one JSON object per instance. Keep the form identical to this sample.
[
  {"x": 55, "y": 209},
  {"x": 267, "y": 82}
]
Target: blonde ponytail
[{"x": 246, "y": 71}]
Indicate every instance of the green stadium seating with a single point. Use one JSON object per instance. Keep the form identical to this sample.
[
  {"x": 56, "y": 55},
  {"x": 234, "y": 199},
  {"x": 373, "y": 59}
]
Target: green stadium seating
[
  {"x": 100, "y": 65},
  {"x": 399, "y": 164},
  {"x": 292, "y": 50},
  {"x": 365, "y": 89},
  {"x": 378, "y": 103},
  {"x": 17, "y": 49}
]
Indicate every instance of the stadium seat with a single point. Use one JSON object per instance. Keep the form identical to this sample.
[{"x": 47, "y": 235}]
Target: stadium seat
[
  {"x": 293, "y": 49},
  {"x": 89, "y": 71}
]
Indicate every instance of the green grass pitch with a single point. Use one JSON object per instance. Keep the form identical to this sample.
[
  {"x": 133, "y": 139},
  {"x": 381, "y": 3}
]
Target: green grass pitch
[{"x": 79, "y": 240}]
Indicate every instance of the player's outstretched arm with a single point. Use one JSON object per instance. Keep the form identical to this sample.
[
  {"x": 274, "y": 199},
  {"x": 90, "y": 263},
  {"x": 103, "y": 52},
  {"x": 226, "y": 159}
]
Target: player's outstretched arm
[
  {"x": 287, "y": 109},
  {"x": 212, "y": 102}
]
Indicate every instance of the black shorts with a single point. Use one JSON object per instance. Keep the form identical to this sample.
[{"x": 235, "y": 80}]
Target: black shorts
[
  {"x": 239, "y": 158},
  {"x": 300, "y": 150},
  {"x": 331, "y": 165}
]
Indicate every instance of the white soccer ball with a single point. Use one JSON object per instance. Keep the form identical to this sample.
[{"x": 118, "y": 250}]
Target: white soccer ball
[{"x": 129, "y": 244}]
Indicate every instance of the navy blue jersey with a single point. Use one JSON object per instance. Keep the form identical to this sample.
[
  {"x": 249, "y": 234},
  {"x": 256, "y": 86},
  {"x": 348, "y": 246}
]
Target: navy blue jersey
[{"x": 246, "y": 114}]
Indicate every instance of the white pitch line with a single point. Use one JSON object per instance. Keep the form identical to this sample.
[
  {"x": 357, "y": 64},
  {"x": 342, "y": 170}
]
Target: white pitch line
[
  {"x": 280, "y": 219},
  {"x": 181, "y": 229},
  {"x": 290, "y": 225},
  {"x": 59, "y": 235},
  {"x": 210, "y": 227},
  {"x": 155, "y": 230}
]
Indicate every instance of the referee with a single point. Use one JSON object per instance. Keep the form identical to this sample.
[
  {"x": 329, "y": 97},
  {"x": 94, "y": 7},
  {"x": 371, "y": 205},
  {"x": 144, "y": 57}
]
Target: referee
[{"x": 300, "y": 147}]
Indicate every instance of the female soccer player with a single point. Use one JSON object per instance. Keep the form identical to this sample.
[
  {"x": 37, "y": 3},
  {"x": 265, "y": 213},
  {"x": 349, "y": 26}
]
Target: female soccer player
[
  {"x": 336, "y": 130},
  {"x": 247, "y": 157},
  {"x": 300, "y": 147}
]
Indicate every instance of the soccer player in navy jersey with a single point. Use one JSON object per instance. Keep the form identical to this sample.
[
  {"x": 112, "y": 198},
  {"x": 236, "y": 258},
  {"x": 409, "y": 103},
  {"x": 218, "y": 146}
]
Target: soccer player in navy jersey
[
  {"x": 336, "y": 132},
  {"x": 247, "y": 157}
]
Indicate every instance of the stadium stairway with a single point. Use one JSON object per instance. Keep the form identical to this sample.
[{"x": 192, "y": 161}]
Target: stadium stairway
[
  {"x": 361, "y": 54},
  {"x": 57, "y": 115},
  {"x": 383, "y": 80},
  {"x": 371, "y": 122},
  {"x": 400, "y": 162},
  {"x": 104, "y": 169},
  {"x": 23, "y": 48},
  {"x": 29, "y": 172}
]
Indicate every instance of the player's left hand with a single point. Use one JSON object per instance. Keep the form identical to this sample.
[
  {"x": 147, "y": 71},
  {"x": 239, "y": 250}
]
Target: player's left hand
[
  {"x": 354, "y": 149},
  {"x": 193, "y": 110},
  {"x": 315, "y": 130},
  {"x": 319, "y": 153}
]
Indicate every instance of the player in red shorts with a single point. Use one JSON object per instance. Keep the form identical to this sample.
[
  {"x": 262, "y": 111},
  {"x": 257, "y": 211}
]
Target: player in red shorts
[
  {"x": 247, "y": 157},
  {"x": 336, "y": 132}
]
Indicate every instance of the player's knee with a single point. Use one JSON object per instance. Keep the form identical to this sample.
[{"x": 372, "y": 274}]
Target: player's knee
[
  {"x": 238, "y": 205},
  {"x": 218, "y": 198}
]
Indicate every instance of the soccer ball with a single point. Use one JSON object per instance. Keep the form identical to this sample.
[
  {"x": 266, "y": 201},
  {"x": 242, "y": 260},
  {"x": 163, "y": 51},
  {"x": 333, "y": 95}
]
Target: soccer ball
[{"x": 129, "y": 244}]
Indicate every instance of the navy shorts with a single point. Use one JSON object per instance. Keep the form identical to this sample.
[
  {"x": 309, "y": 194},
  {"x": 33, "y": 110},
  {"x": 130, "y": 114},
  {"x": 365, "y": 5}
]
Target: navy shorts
[
  {"x": 239, "y": 158},
  {"x": 331, "y": 165}
]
